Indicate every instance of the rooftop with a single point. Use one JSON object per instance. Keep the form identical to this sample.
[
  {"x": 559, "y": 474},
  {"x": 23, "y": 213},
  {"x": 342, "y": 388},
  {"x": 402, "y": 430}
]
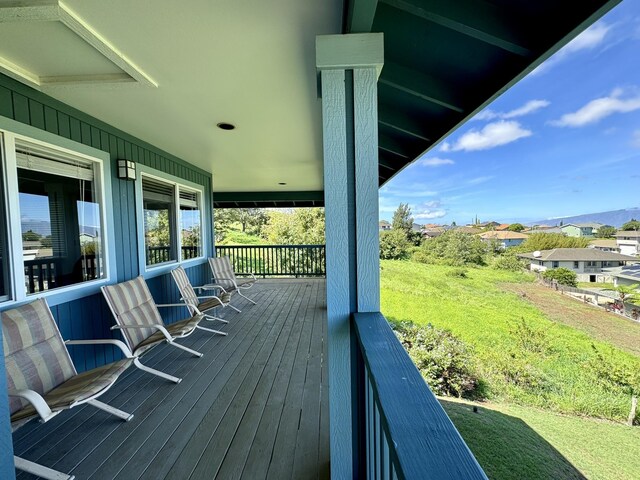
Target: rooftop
[
  {"x": 579, "y": 254},
  {"x": 504, "y": 235}
]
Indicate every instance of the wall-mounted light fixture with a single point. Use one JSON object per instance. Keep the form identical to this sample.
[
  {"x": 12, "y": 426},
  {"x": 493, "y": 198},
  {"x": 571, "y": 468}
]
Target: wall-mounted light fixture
[{"x": 126, "y": 170}]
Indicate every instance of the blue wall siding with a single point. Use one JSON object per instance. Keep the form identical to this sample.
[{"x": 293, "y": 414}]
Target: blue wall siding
[{"x": 89, "y": 317}]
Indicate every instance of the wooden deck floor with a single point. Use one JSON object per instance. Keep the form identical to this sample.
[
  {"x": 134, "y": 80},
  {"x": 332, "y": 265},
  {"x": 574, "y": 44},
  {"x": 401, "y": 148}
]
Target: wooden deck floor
[{"x": 254, "y": 406}]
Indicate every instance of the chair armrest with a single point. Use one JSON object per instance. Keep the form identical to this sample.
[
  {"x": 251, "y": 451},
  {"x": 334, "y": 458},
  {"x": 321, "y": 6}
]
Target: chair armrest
[
  {"x": 172, "y": 304},
  {"x": 210, "y": 286},
  {"x": 156, "y": 326},
  {"x": 35, "y": 399},
  {"x": 108, "y": 341}
]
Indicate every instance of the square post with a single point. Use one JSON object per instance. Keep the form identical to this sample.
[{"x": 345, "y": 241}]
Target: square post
[{"x": 349, "y": 67}]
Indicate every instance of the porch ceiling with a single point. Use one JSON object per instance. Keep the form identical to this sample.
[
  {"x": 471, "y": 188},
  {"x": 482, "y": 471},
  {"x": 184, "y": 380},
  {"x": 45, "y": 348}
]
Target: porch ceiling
[{"x": 251, "y": 63}]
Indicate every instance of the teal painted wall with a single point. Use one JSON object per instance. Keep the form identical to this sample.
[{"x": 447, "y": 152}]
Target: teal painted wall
[{"x": 89, "y": 317}]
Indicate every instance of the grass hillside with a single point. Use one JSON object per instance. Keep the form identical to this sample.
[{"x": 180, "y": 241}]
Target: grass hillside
[
  {"x": 518, "y": 443},
  {"x": 521, "y": 354}
]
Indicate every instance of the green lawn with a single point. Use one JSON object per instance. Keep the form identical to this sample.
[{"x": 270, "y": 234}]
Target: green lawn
[
  {"x": 520, "y": 443},
  {"x": 233, "y": 237},
  {"x": 560, "y": 375}
]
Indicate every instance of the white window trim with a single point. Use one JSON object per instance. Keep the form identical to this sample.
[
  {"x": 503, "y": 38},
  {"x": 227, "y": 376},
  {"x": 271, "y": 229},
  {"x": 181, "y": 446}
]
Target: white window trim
[
  {"x": 163, "y": 268},
  {"x": 12, "y": 130}
]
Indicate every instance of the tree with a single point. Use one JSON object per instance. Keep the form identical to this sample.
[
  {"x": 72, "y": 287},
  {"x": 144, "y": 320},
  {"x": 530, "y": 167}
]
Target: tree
[
  {"x": 393, "y": 245},
  {"x": 303, "y": 226},
  {"x": 402, "y": 219},
  {"x": 252, "y": 219},
  {"x": 516, "y": 227},
  {"x": 627, "y": 293},
  {"x": 632, "y": 224},
  {"x": 454, "y": 248},
  {"x": 47, "y": 241},
  {"x": 31, "y": 236},
  {"x": 548, "y": 241},
  {"x": 562, "y": 275},
  {"x": 606, "y": 231}
]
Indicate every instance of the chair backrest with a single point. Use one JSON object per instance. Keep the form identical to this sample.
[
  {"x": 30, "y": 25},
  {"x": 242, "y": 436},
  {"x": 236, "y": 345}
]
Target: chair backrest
[
  {"x": 132, "y": 304},
  {"x": 187, "y": 292},
  {"x": 36, "y": 357},
  {"x": 222, "y": 271}
]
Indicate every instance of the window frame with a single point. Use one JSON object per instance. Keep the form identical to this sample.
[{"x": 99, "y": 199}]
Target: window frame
[
  {"x": 150, "y": 271},
  {"x": 12, "y": 130}
]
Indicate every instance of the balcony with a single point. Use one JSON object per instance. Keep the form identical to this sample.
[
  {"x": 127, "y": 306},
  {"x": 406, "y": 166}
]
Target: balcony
[{"x": 254, "y": 406}]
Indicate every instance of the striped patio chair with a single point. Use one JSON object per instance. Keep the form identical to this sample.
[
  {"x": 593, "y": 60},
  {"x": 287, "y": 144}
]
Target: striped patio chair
[
  {"x": 224, "y": 276},
  {"x": 142, "y": 327},
  {"x": 42, "y": 381},
  {"x": 201, "y": 304}
]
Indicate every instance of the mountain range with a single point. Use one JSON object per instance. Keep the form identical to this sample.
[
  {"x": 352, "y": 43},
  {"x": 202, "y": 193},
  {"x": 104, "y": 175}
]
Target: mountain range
[{"x": 615, "y": 218}]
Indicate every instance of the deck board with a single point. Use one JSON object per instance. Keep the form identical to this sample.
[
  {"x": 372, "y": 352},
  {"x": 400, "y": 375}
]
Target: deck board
[{"x": 253, "y": 406}]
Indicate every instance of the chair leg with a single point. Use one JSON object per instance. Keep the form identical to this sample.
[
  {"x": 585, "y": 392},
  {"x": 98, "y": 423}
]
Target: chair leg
[
  {"x": 109, "y": 409},
  {"x": 244, "y": 296},
  {"x": 186, "y": 349},
  {"x": 213, "y": 318},
  {"x": 235, "y": 308},
  {"x": 39, "y": 470},
  {"x": 211, "y": 330},
  {"x": 166, "y": 376}
]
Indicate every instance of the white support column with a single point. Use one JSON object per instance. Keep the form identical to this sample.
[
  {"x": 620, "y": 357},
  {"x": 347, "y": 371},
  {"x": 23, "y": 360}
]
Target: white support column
[{"x": 349, "y": 66}]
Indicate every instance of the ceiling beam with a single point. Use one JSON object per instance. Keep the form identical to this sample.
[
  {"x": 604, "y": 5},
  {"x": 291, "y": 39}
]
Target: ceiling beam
[
  {"x": 420, "y": 85},
  {"x": 360, "y": 16},
  {"x": 478, "y": 20},
  {"x": 401, "y": 123},
  {"x": 391, "y": 145}
]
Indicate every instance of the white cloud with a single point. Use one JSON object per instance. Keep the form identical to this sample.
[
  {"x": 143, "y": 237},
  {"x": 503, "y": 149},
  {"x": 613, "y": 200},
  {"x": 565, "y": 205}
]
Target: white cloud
[
  {"x": 587, "y": 40},
  {"x": 530, "y": 107},
  {"x": 479, "y": 180},
  {"x": 435, "y": 162},
  {"x": 598, "y": 109},
  {"x": 428, "y": 210},
  {"x": 492, "y": 135}
]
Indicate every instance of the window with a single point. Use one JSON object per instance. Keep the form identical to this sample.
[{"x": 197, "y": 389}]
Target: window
[
  {"x": 172, "y": 221},
  {"x": 555, "y": 264},
  {"x": 576, "y": 265},
  {"x": 52, "y": 233}
]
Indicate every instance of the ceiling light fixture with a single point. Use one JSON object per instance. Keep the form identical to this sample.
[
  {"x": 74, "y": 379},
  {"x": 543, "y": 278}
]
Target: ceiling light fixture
[
  {"x": 282, "y": 183},
  {"x": 226, "y": 126}
]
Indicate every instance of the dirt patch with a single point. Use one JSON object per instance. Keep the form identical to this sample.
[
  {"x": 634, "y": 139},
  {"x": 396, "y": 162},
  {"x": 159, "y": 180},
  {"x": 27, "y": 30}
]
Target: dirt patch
[{"x": 598, "y": 323}]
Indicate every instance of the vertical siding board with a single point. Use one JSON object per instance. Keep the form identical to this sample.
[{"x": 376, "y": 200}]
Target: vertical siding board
[
  {"x": 36, "y": 114},
  {"x": 21, "y": 108},
  {"x": 76, "y": 131},
  {"x": 50, "y": 120},
  {"x": 85, "y": 133},
  {"x": 95, "y": 137},
  {"x": 6, "y": 103},
  {"x": 64, "y": 129}
]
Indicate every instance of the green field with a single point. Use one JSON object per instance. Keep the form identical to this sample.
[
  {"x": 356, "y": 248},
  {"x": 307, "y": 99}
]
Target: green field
[
  {"x": 518, "y": 443},
  {"x": 560, "y": 374}
]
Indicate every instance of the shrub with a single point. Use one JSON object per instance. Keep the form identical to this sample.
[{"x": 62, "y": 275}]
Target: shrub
[
  {"x": 508, "y": 261},
  {"x": 562, "y": 275},
  {"x": 530, "y": 338},
  {"x": 454, "y": 248},
  {"x": 442, "y": 359},
  {"x": 457, "y": 273},
  {"x": 394, "y": 245}
]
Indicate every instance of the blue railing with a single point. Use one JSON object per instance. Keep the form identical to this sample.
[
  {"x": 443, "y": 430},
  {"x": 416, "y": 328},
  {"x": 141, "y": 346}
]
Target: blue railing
[
  {"x": 276, "y": 260},
  {"x": 403, "y": 432}
]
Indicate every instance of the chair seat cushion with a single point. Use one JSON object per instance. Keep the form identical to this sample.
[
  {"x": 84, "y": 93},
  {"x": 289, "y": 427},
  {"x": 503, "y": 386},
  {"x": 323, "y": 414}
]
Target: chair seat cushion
[
  {"x": 210, "y": 303},
  {"x": 179, "y": 329},
  {"x": 78, "y": 388}
]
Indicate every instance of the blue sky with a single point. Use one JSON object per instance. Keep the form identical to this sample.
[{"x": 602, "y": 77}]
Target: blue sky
[{"x": 563, "y": 141}]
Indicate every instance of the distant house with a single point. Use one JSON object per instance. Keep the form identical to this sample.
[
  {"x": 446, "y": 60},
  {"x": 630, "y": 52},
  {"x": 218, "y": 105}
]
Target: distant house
[
  {"x": 627, "y": 275},
  {"x": 580, "y": 229},
  {"x": 628, "y": 242},
  {"x": 433, "y": 232},
  {"x": 505, "y": 238},
  {"x": 469, "y": 230},
  {"x": 502, "y": 227},
  {"x": 544, "y": 230},
  {"x": 87, "y": 238},
  {"x": 384, "y": 225},
  {"x": 605, "y": 244},
  {"x": 485, "y": 225},
  {"x": 416, "y": 227},
  {"x": 588, "y": 263}
]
